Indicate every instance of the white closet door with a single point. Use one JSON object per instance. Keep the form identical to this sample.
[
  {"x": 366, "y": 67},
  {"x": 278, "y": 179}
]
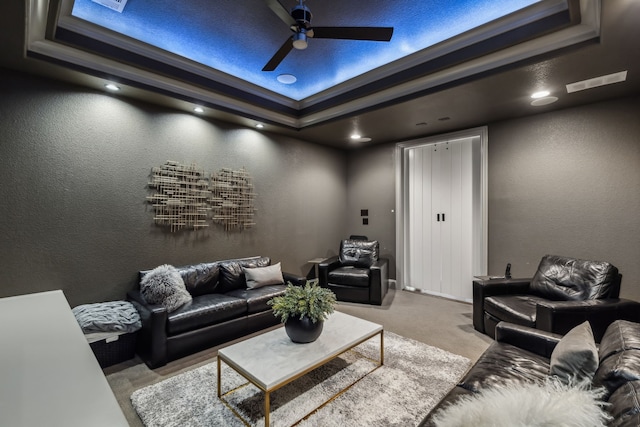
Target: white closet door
[
  {"x": 440, "y": 215},
  {"x": 419, "y": 227}
]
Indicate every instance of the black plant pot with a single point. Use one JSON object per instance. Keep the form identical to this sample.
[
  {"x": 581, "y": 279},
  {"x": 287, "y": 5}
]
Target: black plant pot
[{"x": 303, "y": 330}]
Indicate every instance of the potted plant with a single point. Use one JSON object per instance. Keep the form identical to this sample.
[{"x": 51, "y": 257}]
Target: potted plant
[{"x": 303, "y": 310}]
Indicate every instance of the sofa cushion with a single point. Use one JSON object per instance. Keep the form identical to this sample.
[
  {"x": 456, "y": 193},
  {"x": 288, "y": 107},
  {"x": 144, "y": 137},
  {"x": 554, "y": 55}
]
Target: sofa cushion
[
  {"x": 574, "y": 359},
  {"x": 568, "y": 279},
  {"x": 263, "y": 276},
  {"x": 256, "y": 299},
  {"x": 625, "y": 405},
  {"x": 350, "y": 276},
  {"x": 617, "y": 369},
  {"x": 164, "y": 286},
  {"x": 620, "y": 335},
  {"x": 205, "y": 310},
  {"x": 359, "y": 253},
  {"x": 201, "y": 278},
  {"x": 503, "y": 364},
  {"x": 231, "y": 275},
  {"x": 518, "y": 309}
]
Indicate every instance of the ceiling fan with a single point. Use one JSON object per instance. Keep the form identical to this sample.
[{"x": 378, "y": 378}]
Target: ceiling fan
[{"x": 299, "y": 21}]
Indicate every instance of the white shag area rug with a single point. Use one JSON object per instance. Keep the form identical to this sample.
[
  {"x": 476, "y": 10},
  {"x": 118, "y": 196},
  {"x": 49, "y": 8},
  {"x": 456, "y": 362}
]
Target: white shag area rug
[{"x": 413, "y": 379}]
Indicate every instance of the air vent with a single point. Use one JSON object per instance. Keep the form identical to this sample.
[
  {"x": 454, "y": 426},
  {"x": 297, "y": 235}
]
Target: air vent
[
  {"x": 117, "y": 5},
  {"x": 597, "y": 81}
]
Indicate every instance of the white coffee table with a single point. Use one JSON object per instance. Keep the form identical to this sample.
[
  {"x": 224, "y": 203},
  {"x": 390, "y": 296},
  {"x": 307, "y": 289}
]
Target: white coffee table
[{"x": 271, "y": 360}]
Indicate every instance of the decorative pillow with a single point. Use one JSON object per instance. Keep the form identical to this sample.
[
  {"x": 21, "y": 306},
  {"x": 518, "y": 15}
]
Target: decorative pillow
[
  {"x": 574, "y": 360},
  {"x": 263, "y": 276},
  {"x": 533, "y": 405},
  {"x": 163, "y": 285},
  {"x": 232, "y": 275}
]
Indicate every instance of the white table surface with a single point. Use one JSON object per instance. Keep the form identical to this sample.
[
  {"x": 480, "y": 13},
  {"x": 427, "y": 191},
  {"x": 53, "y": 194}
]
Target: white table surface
[
  {"x": 48, "y": 374},
  {"x": 272, "y": 358}
]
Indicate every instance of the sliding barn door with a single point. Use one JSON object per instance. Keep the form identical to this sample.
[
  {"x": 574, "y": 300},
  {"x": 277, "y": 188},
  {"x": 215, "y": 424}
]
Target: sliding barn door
[{"x": 439, "y": 229}]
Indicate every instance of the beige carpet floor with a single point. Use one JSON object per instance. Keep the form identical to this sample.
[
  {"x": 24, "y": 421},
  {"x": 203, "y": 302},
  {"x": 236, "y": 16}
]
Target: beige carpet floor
[{"x": 435, "y": 321}]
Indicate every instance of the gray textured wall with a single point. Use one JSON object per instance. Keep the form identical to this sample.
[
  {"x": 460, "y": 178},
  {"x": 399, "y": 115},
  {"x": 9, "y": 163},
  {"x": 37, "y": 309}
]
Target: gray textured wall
[
  {"x": 565, "y": 183},
  {"x": 371, "y": 186},
  {"x": 73, "y": 182}
]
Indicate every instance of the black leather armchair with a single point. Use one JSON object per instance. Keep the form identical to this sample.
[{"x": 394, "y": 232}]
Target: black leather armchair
[
  {"x": 563, "y": 293},
  {"x": 357, "y": 274}
]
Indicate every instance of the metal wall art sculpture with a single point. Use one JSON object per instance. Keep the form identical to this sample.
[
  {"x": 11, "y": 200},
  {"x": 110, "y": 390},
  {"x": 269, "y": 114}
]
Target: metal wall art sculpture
[
  {"x": 232, "y": 198},
  {"x": 184, "y": 196}
]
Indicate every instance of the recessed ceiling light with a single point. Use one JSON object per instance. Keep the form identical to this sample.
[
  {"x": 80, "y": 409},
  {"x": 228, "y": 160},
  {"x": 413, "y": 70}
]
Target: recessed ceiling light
[
  {"x": 356, "y": 136},
  {"x": 112, "y": 87},
  {"x": 540, "y": 94},
  {"x": 198, "y": 110},
  {"x": 544, "y": 101},
  {"x": 287, "y": 79},
  {"x": 260, "y": 126},
  {"x": 361, "y": 139}
]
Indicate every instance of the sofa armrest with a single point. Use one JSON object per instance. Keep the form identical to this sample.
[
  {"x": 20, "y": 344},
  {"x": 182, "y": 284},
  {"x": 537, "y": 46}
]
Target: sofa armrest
[
  {"x": 561, "y": 316},
  {"x": 379, "y": 281},
  {"x": 152, "y": 337},
  {"x": 294, "y": 279},
  {"x": 325, "y": 267},
  {"x": 492, "y": 287},
  {"x": 534, "y": 340}
]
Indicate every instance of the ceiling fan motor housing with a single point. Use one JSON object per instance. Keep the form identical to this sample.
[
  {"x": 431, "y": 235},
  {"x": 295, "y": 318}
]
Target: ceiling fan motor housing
[{"x": 302, "y": 16}]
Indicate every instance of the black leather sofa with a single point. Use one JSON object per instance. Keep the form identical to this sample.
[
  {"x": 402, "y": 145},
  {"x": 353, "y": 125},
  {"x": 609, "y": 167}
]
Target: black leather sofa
[
  {"x": 522, "y": 354},
  {"x": 563, "y": 293},
  {"x": 222, "y": 309},
  {"x": 357, "y": 274}
]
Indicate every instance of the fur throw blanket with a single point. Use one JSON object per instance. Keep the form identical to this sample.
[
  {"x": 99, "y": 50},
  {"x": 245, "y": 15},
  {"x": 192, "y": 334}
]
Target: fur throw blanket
[
  {"x": 527, "y": 405},
  {"x": 164, "y": 286}
]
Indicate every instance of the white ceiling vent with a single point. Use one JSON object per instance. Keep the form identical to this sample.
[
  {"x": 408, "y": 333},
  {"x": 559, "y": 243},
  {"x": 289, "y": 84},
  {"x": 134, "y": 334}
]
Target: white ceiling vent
[
  {"x": 117, "y": 5},
  {"x": 597, "y": 81}
]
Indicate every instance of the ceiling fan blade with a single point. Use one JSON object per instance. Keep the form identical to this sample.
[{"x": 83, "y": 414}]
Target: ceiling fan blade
[
  {"x": 281, "y": 11},
  {"x": 381, "y": 34},
  {"x": 279, "y": 56}
]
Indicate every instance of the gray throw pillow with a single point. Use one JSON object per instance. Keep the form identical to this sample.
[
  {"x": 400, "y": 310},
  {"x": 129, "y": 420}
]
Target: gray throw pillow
[
  {"x": 574, "y": 360},
  {"x": 263, "y": 276},
  {"x": 164, "y": 286}
]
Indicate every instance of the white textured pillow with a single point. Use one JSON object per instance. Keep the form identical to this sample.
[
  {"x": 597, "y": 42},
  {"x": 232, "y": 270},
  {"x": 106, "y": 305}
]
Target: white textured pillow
[
  {"x": 163, "y": 285},
  {"x": 531, "y": 405},
  {"x": 263, "y": 276},
  {"x": 575, "y": 357}
]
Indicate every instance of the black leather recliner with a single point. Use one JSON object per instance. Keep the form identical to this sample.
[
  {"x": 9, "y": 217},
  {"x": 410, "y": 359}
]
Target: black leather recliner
[
  {"x": 357, "y": 274},
  {"x": 563, "y": 293}
]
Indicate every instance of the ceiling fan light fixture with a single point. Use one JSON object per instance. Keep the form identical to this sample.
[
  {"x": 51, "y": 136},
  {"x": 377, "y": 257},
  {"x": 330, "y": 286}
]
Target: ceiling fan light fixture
[{"x": 300, "y": 40}]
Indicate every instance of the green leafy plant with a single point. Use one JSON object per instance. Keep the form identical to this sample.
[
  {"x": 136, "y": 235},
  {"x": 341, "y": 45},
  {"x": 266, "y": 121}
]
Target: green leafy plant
[{"x": 309, "y": 300}]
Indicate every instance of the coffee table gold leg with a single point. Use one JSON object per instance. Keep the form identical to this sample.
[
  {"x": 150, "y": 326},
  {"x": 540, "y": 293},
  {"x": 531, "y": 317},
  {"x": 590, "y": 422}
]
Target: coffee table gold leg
[
  {"x": 219, "y": 379},
  {"x": 381, "y": 348},
  {"x": 267, "y": 408}
]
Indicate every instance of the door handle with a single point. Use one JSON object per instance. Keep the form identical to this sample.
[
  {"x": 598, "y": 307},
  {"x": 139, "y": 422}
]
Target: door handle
[
  {"x": 438, "y": 215},
  {"x": 442, "y": 217}
]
